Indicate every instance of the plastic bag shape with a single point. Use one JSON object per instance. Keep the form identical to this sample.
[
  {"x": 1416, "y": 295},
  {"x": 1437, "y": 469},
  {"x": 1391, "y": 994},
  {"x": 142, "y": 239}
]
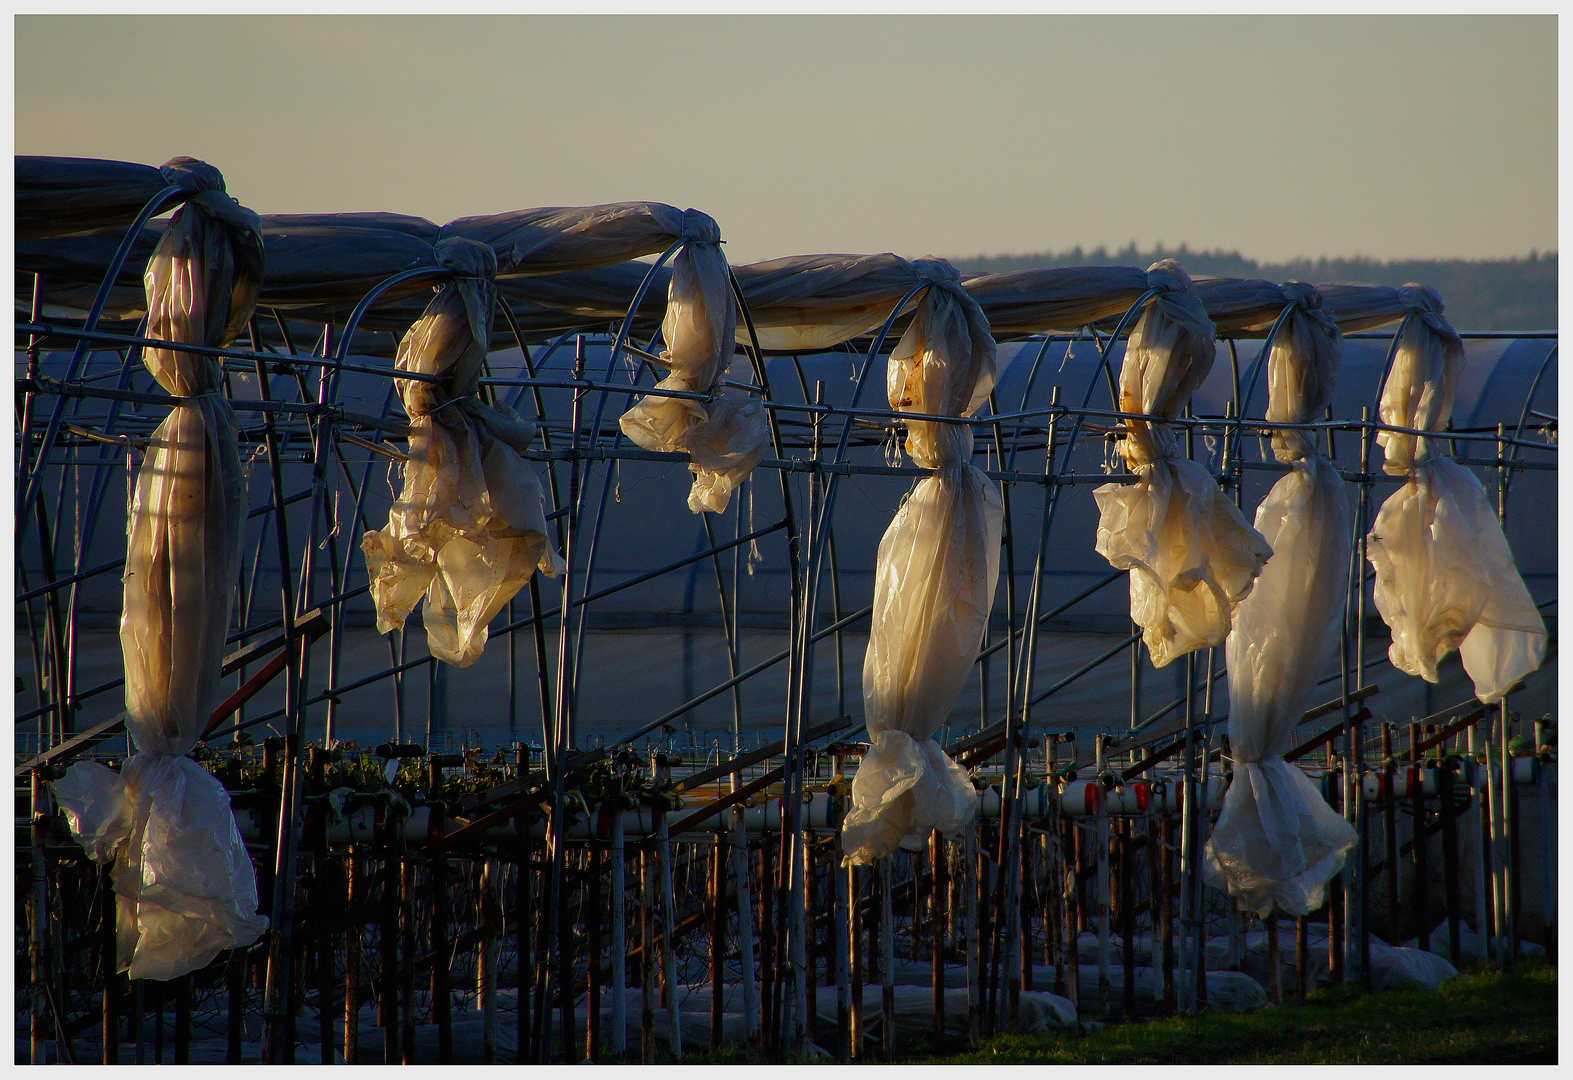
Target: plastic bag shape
[
  {"x": 468, "y": 528},
  {"x": 724, "y": 438},
  {"x": 1445, "y": 576},
  {"x": 183, "y": 875},
  {"x": 1445, "y": 580},
  {"x": 1277, "y": 842},
  {"x": 934, "y": 585},
  {"x": 1191, "y": 553}
]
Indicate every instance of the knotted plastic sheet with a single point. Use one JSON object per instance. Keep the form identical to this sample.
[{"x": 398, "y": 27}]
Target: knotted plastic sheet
[
  {"x": 468, "y": 528},
  {"x": 934, "y": 584},
  {"x": 1277, "y": 842},
  {"x": 1445, "y": 576},
  {"x": 723, "y": 437},
  {"x": 184, "y": 878},
  {"x": 1191, "y": 554}
]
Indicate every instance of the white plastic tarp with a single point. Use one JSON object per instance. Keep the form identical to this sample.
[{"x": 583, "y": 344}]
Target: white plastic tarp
[
  {"x": 185, "y": 881},
  {"x": 1445, "y": 576},
  {"x": 467, "y": 529},
  {"x": 1191, "y": 554},
  {"x": 933, "y": 586},
  {"x": 723, "y": 437},
  {"x": 1277, "y": 842}
]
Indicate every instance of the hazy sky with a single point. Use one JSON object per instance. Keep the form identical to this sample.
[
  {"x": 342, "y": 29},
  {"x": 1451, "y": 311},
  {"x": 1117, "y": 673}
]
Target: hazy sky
[{"x": 1422, "y": 136}]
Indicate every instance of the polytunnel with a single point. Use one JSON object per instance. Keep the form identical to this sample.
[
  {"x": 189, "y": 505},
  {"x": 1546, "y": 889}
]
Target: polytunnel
[{"x": 642, "y": 818}]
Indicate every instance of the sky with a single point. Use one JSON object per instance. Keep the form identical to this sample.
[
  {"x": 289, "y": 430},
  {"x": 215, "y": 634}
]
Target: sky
[{"x": 1276, "y": 136}]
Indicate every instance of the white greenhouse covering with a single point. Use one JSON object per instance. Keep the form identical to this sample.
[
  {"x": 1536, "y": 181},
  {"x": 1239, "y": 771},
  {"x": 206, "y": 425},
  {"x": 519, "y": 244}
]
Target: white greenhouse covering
[
  {"x": 723, "y": 437},
  {"x": 1277, "y": 842},
  {"x": 187, "y": 890},
  {"x": 1445, "y": 577},
  {"x": 934, "y": 583},
  {"x": 1191, "y": 554},
  {"x": 467, "y": 529}
]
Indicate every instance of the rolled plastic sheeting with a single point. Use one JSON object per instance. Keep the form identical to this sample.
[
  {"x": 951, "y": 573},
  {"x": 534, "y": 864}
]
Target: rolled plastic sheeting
[
  {"x": 723, "y": 437},
  {"x": 805, "y": 303},
  {"x": 1191, "y": 554},
  {"x": 933, "y": 585},
  {"x": 57, "y": 196},
  {"x": 186, "y": 886},
  {"x": 1445, "y": 576},
  {"x": 1055, "y": 298},
  {"x": 468, "y": 528}
]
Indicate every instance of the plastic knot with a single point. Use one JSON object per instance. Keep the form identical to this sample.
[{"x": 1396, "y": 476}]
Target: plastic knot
[
  {"x": 191, "y": 174},
  {"x": 466, "y": 257},
  {"x": 1421, "y": 298},
  {"x": 701, "y": 227},
  {"x": 1301, "y": 295},
  {"x": 935, "y": 270},
  {"x": 1168, "y": 275}
]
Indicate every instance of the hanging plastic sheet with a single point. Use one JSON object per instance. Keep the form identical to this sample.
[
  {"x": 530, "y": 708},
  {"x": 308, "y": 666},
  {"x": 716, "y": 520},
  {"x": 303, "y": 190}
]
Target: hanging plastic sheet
[
  {"x": 723, "y": 437},
  {"x": 468, "y": 528},
  {"x": 933, "y": 586},
  {"x": 1277, "y": 842},
  {"x": 1445, "y": 576},
  {"x": 186, "y": 886},
  {"x": 1191, "y": 554}
]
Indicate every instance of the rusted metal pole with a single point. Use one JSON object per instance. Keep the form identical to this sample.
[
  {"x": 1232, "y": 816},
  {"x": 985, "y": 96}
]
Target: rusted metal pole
[
  {"x": 1395, "y": 933},
  {"x": 745, "y": 926},
  {"x": 647, "y": 956},
  {"x": 388, "y": 938},
  {"x": 595, "y": 921},
  {"x": 717, "y": 938},
  {"x": 110, "y": 1024},
  {"x": 1275, "y": 990},
  {"x": 938, "y": 893},
  {"x": 887, "y": 960},
  {"x": 441, "y": 946},
  {"x": 1419, "y": 844},
  {"x": 619, "y": 913},
  {"x": 854, "y": 910},
  {"x": 1450, "y": 867}
]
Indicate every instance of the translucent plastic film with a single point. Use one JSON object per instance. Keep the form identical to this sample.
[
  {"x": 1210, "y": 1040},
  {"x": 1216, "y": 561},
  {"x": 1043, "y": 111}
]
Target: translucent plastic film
[
  {"x": 1445, "y": 576},
  {"x": 1057, "y": 298},
  {"x": 1445, "y": 580},
  {"x": 723, "y": 437},
  {"x": 468, "y": 528},
  {"x": 1277, "y": 842},
  {"x": 183, "y": 876},
  {"x": 1191, "y": 554},
  {"x": 808, "y": 302},
  {"x": 934, "y": 585}
]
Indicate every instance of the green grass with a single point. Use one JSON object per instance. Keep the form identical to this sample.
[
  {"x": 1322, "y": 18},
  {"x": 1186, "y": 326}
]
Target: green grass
[
  {"x": 1489, "y": 1017},
  {"x": 1486, "y": 1018}
]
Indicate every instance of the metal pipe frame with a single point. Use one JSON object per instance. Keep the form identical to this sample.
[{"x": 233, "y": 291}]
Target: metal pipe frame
[{"x": 311, "y": 424}]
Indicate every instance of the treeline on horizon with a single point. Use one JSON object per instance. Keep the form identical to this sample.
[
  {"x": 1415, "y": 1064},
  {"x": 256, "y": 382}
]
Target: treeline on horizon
[{"x": 1485, "y": 294}]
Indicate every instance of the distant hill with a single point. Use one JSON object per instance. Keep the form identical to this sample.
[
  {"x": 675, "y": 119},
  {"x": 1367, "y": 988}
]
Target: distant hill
[{"x": 1491, "y": 294}]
